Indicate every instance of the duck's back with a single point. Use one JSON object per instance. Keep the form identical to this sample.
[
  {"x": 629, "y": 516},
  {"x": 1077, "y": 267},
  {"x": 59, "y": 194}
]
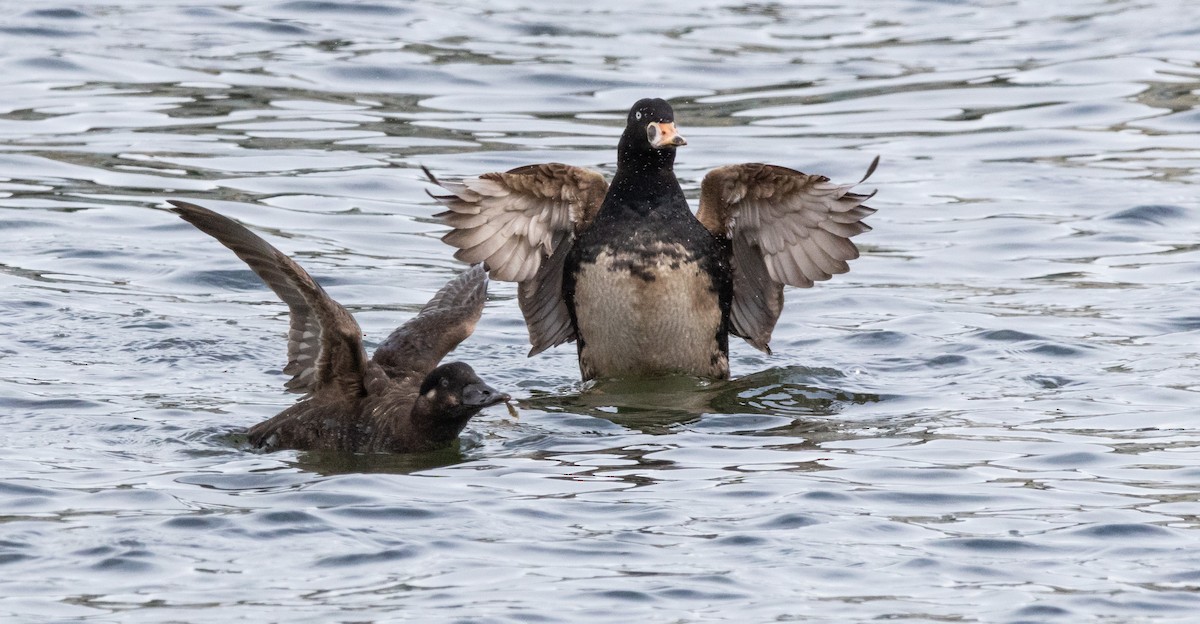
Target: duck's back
[
  {"x": 378, "y": 421},
  {"x": 649, "y": 291},
  {"x": 319, "y": 423}
]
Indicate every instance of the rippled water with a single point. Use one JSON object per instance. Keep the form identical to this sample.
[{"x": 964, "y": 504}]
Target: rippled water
[{"x": 991, "y": 418}]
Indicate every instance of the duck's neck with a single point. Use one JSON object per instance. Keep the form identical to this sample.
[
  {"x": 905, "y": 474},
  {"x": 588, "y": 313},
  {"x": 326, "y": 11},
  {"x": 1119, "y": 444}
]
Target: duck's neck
[
  {"x": 645, "y": 179},
  {"x": 431, "y": 422}
]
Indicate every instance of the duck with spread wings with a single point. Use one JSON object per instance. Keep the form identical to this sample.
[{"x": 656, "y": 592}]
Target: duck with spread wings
[
  {"x": 626, "y": 270},
  {"x": 400, "y": 400}
]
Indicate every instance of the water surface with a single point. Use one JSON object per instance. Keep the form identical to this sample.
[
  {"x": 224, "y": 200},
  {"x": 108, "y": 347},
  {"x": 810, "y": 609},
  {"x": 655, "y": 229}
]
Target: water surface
[{"x": 991, "y": 418}]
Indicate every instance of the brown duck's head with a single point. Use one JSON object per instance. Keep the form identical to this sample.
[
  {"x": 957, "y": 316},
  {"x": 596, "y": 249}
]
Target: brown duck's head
[{"x": 453, "y": 392}]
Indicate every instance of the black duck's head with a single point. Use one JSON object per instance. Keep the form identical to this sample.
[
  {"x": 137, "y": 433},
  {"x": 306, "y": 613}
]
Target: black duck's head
[
  {"x": 453, "y": 393},
  {"x": 650, "y": 133}
]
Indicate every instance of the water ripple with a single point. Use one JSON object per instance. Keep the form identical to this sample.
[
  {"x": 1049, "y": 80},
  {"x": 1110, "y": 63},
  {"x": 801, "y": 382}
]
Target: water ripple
[{"x": 990, "y": 418}]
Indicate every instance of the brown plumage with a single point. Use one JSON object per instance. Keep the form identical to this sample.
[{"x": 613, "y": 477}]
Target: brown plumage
[
  {"x": 547, "y": 226},
  {"x": 398, "y": 401}
]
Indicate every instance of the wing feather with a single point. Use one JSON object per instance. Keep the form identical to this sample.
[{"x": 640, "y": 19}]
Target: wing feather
[
  {"x": 521, "y": 224},
  {"x": 324, "y": 341},
  {"x": 529, "y": 206},
  {"x": 786, "y": 227},
  {"x": 417, "y": 346}
]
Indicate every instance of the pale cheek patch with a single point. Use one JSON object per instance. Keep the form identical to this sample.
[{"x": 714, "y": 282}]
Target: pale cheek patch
[{"x": 429, "y": 395}]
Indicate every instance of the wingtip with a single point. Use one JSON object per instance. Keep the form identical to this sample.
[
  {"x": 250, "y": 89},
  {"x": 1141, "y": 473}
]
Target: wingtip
[
  {"x": 870, "y": 170},
  {"x": 192, "y": 212},
  {"x": 479, "y": 269},
  {"x": 429, "y": 174},
  {"x": 179, "y": 206}
]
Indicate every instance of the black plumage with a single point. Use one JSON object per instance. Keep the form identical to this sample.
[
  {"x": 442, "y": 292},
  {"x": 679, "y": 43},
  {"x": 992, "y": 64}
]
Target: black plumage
[{"x": 627, "y": 271}]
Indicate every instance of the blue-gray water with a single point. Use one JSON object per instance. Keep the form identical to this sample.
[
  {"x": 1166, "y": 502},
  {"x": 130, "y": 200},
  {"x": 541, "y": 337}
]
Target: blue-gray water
[{"x": 991, "y": 418}]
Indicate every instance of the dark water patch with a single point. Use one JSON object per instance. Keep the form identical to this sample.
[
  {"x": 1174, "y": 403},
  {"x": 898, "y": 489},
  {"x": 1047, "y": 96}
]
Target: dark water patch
[
  {"x": 203, "y": 12},
  {"x": 1070, "y": 460},
  {"x": 726, "y": 491},
  {"x": 1055, "y": 350},
  {"x": 392, "y": 77},
  {"x": 911, "y": 475},
  {"x": 129, "y": 562},
  {"x": 741, "y": 541},
  {"x": 878, "y": 338},
  {"x": 95, "y": 551},
  {"x": 172, "y": 350},
  {"x": 337, "y": 463},
  {"x": 50, "y": 63},
  {"x": 1042, "y": 347},
  {"x": 123, "y": 565},
  {"x": 131, "y": 499},
  {"x": 1184, "y": 323},
  {"x": 1123, "y": 531},
  {"x": 947, "y": 361},
  {"x": 383, "y": 513},
  {"x": 357, "y": 559},
  {"x": 1006, "y": 335},
  {"x": 539, "y": 514},
  {"x": 247, "y": 481},
  {"x": 78, "y": 253},
  {"x": 40, "y": 31},
  {"x": 287, "y": 518},
  {"x": 1064, "y": 276},
  {"x": 793, "y": 391},
  {"x": 225, "y": 279},
  {"x": 21, "y": 224},
  {"x": 1157, "y": 214},
  {"x": 323, "y": 500},
  {"x": 733, "y": 423},
  {"x": 991, "y": 545},
  {"x": 206, "y": 522},
  {"x": 47, "y": 404},
  {"x": 825, "y": 495},
  {"x": 547, "y": 30},
  {"x": 60, "y": 13},
  {"x": 1050, "y": 382},
  {"x": 695, "y": 595},
  {"x": 624, "y": 595},
  {"x": 157, "y": 325},
  {"x": 8, "y": 488},
  {"x": 273, "y": 28},
  {"x": 1183, "y": 601},
  {"x": 930, "y": 500},
  {"x": 1039, "y": 613},
  {"x": 343, "y": 8},
  {"x": 788, "y": 521},
  {"x": 7, "y": 558}
]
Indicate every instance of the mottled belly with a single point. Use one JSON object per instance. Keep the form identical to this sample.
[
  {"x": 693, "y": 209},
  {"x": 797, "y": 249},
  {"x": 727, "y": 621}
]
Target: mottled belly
[{"x": 640, "y": 314}]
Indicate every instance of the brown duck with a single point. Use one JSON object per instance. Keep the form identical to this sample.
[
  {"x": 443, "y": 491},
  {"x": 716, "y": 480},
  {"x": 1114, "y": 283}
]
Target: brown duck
[
  {"x": 626, "y": 270},
  {"x": 398, "y": 401}
]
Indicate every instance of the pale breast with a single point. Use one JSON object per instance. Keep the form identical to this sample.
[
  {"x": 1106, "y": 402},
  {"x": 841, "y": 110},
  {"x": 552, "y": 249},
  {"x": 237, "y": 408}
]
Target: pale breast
[{"x": 648, "y": 312}]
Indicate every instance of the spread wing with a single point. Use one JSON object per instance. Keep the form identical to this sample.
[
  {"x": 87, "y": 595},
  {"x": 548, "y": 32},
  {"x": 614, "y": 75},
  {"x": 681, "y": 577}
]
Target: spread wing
[
  {"x": 786, "y": 227},
  {"x": 416, "y": 347},
  {"x": 325, "y": 348},
  {"x": 521, "y": 224}
]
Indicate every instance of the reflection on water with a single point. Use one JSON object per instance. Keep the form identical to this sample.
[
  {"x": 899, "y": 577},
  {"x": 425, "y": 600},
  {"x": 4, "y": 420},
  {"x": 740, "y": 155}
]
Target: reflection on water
[
  {"x": 990, "y": 418},
  {"x": 330, "y": 463},
  {"x": 655, "y": 405}
]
